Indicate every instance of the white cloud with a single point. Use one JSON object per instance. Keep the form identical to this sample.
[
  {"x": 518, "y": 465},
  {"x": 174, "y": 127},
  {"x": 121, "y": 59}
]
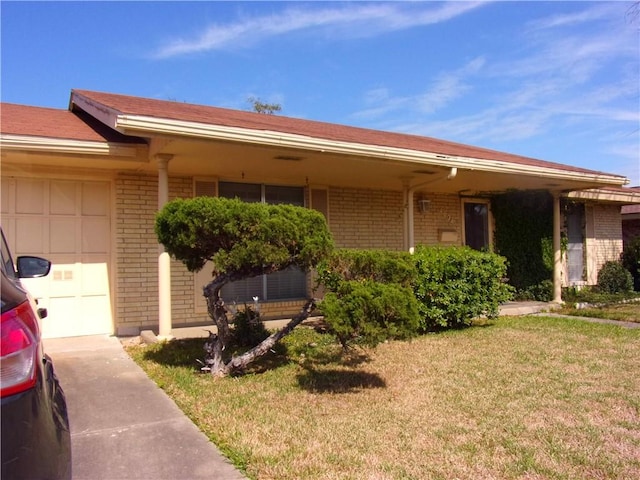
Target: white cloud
[
  {"x": 349, "y": 22},
  {"x": 445, "y": 88}
]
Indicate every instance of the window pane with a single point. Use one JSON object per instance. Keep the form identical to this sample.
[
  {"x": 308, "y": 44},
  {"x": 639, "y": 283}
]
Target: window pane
[
  {"x": 287, "y": 284},
  {"x": 476, "y": 225},
  {"x": 243, "y": 290},
  {"x": 290, "y": 195},
  {"x": 248, "y": 192}
]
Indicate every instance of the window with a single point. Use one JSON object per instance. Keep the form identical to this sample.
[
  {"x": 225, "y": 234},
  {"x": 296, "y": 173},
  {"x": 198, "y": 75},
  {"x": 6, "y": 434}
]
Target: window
[
  {"x": 476, "y": 225},
  {"x": 575, "y": 247},
  {"x": 285, "y": 285}
]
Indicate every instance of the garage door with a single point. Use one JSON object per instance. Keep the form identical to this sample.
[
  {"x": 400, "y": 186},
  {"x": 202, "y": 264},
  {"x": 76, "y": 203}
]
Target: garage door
[{"x": 67, "y": 222}]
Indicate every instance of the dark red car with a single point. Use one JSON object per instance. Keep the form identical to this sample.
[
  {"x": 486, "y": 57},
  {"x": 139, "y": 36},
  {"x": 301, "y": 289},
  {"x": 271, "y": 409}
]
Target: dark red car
[{"x": 36, "y": 442}]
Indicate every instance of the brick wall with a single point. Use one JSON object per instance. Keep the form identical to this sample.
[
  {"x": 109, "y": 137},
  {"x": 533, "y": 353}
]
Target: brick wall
[
  {"x": 444, "y": 213},
  {"x": 366, "y": 218},
  {"x": 137, "y": 255}
]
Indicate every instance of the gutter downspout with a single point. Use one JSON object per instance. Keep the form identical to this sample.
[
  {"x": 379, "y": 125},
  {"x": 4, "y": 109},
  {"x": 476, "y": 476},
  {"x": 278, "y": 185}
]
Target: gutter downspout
[{"x": 410, "y": 221}]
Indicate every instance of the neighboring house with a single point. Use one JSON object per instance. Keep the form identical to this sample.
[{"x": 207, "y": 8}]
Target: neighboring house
[
  {"x": 630, "y": 221},
  {"x": 82, "y": 186}
]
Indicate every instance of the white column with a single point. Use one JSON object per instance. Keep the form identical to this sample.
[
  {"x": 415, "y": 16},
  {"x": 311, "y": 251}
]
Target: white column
[
  {"x": 164, "y": 260},
  {"x": 410, "y": 212},
  {"x": 557, "y": 250}
]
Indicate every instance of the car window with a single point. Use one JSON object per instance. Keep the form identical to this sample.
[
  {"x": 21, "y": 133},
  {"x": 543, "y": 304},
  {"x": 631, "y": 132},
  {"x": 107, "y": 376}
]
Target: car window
[{"x": 7, "y": 261}]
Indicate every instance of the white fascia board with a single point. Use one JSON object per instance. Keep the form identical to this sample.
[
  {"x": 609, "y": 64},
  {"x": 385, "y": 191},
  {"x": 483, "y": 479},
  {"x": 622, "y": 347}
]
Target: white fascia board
[
  {"x": 61, "y": 145},
  {"x": 134, "y": 124},
  {"x": 603, "y": 195},
  {"x": 106, "y": 115}
]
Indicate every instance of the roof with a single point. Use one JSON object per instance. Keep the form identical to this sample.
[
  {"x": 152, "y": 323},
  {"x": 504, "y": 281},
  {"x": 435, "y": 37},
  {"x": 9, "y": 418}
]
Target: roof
[
  {"x": 124, "y": 105},
  {"x": 23, "y": 120}
]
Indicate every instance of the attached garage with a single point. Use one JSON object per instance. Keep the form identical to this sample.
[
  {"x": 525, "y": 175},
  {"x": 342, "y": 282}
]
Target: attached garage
[{"x": 69, "y": 223}]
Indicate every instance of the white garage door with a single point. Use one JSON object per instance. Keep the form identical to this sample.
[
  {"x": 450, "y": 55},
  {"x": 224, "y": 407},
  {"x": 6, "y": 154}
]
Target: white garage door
[{"x": 67, "y": 222}]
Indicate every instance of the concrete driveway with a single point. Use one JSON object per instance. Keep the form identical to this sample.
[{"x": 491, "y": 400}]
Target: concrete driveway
[{"x": 122, "y": 425}]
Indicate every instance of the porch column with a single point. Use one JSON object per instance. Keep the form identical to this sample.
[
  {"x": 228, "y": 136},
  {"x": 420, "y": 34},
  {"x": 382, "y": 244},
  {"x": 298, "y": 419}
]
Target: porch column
[
  {"x": 164, "y": 260},
  {"x": 557, "y": 250}
]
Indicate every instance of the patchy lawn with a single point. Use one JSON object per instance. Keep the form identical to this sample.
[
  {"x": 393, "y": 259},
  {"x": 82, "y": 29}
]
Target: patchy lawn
[
  {"x": 529, "y": 397},
  {"x": 628, "y": 312}
]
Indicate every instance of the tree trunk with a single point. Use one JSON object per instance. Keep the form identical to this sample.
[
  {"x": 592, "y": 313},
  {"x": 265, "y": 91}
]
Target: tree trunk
[
  {"x": 218, "y": 313},
  {"x": 240, "y": 362}
]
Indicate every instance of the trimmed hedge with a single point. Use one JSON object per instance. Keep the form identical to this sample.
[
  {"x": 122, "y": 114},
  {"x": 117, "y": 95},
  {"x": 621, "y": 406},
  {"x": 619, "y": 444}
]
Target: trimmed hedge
[
  {"x": 457, "y": 284},
  {"x": 377, "y": 294},
  {"x": 370, "y": 298},
  {"x": 614, "y": 278}
]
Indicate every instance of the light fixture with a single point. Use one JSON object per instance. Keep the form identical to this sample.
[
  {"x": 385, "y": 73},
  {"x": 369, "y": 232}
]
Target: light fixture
[{"x": 423, "y": 204}]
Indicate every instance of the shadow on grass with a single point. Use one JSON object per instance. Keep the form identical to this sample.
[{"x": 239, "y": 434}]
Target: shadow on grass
[
  {"x": 187, "y": 352},
  {"x": 338, "y": 381}
]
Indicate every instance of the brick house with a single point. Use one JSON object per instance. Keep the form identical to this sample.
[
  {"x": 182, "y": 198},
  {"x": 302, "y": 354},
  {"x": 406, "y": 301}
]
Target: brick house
[{"x": 81, "y": 187}]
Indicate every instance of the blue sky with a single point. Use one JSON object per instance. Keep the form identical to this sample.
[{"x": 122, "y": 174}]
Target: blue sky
[{"x": 557, "y": 81}]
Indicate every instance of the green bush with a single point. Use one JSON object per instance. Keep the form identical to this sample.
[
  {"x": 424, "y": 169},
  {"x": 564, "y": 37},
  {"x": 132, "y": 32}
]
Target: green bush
[
  {"x": 542, "y": 292},
  {"x": 614, "y": 278},
  {"x": 457, "y": 284},
  {"x": 594, "y": 296},
  {"x": 367, "y": 312},
  {"x": 248, "y": 328},
  {"x": 383, "y": 266},
  {"x": 630, "y": 259},
  {"x": 370, "y": 298}
]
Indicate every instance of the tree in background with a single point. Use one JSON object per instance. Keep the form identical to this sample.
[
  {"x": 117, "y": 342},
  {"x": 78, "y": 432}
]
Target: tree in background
[
  {"x": 242, "y": 240},
  {"x": 262, "y": 107}
]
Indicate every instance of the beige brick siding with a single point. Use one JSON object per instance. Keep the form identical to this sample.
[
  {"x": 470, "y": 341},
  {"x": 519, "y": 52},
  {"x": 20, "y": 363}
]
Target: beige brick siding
[
  {"x": 137, "y": 256},
  {"x": 358, "y": 218},
  {"x": 366, "y": 218},
  {"x": 604, "y": 238},
  {"x": 444, "y": 213}
]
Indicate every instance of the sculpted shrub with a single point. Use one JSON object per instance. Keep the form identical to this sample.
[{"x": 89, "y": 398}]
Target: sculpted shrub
[
  {"x": 370, "y": 298},
  {"x": 457, "y": 284}
]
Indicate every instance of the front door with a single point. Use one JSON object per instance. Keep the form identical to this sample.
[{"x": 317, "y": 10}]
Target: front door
[{"x": 476, "y": 224}]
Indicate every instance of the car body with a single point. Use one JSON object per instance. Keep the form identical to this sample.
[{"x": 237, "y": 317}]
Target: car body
[{"x": 35, "y": 437}]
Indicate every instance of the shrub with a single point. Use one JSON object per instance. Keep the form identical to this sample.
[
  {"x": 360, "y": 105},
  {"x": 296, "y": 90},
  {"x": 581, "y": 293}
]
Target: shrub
[
  {"x": 457, "y": 284},
  {"x": 248, "y": 328},
  {"x": 368, "y": 312},
  {"x": 382, "y": 266},
  {"x": 594, "y": 296},
  {"x": 630, "y": 259},
  {"x": 542, "y": 292},
  {"x": 614, "y": 278},
  {"x": 370, "y": 298}
]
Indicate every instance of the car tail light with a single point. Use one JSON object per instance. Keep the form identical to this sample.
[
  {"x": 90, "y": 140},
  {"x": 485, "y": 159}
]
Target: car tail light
[{"x": 18, "y": 350}]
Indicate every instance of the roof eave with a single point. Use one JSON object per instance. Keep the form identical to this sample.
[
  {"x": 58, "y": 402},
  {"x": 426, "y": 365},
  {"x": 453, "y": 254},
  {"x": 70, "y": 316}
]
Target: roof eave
[
  {"x": 139, "y": 125},
  {"x": 603, "y": 195},
  {"x": 99, "y": 111},
  {"x": 68, "y": 146}
]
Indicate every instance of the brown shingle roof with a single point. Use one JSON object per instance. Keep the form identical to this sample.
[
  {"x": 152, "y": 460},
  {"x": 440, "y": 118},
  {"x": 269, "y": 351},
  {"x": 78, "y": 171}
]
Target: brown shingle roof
[
  {"x": 129, "y": 105},
  {"x": 55, "y": 123}
]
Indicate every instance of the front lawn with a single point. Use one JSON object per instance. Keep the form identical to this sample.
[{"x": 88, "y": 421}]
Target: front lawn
[
  {"x": 527, "y": 397},
  {"x": 627, "y": 312}
]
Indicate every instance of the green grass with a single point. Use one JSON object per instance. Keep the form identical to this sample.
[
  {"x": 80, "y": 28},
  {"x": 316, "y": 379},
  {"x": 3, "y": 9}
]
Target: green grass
[
  {"x": 628, "y": 312},
  {"x": 529, "y": 397}
]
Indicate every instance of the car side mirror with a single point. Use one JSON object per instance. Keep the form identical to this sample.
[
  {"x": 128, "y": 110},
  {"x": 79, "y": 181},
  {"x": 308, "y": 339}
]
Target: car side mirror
[{"x": 32, "y": 267}]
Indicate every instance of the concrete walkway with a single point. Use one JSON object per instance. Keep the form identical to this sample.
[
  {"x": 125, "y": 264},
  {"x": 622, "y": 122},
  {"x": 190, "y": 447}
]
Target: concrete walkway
[{"x": 122, "y": 425}]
